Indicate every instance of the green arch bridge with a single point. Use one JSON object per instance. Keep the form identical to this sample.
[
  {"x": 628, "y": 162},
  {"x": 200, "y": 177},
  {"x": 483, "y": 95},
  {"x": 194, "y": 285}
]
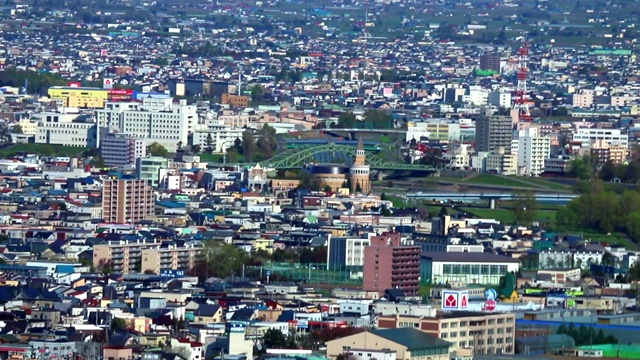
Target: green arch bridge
[{"x": 328, "y": 153}]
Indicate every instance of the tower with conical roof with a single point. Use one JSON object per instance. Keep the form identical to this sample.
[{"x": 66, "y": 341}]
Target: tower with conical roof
[{"x": 360, "y": 171}]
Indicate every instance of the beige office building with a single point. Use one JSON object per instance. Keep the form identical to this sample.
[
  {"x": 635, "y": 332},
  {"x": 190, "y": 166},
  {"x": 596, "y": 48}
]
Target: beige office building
[
  {"x": 121, "y": 256},
  {"x": 183, "y": 258},
  {"x": 485, "y": 333}
]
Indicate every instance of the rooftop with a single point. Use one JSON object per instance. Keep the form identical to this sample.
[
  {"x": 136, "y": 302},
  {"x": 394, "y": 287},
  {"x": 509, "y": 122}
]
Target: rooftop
[
  {"x": 412, "y": 338},
  {"x": 468, "y": 257}
]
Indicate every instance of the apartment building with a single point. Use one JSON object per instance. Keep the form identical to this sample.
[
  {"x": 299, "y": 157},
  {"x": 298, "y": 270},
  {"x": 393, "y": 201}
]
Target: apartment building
[
  {"x": 149, "y": 168},
  {"x": 533, "y": 149},
  {"x": 347, "y": 252},
  {"x": 493, "y": 132},
  {"x": 484, "y": 333},
  {"x": 154, "y": 120},
  {"x": 500, "y": 99},
  {"x": 588, "y": 136},
  {"x": 502, "y": 162},
  {"x": 439, "y": 129},
  {"x": 121, "y": 150},
  {"x": 388, "y": 264},
  {"x": 157, "y": 259},
  {"x": 584, "y": 99},
  {"x": 127, "y": 200},
  {"x": 67, "y": 130},
  {"x": 220, "y": 135},
  {"x": 603, "y": 152},
  {"x": 123, "y": 256}
]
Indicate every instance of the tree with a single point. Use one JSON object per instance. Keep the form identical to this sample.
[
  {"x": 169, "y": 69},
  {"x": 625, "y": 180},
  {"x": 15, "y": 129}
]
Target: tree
[
  {"x": 248, "y": 145},
  {"x": 179, "y": 146},
  {"x": 156, "y": 149},
  {"x": 358, "y": 188},
  {"x": 195, "y": 149},
  {"x": 17, "y": 129},
  {"x": 274, "y": 339},
  {"x": 582, "y": 168},
  {"x": 525, "y": 207},
  {"x": 443, "y": 211},
  {"x": 378, "y": 119},
  {"x": 98, "y": 161},
  {"x": 309, "y": 182},
  {"x": 118, "y": 324},
  {"x": 208, "y": 144},
  {"x": 267, "y": 143},
  {"x": 219, "y": 260},
  {"x": 256, "y": 92},
  {"x": 347, "y": 120}
]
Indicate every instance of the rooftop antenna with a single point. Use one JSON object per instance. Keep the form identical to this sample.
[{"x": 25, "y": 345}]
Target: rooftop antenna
[
  {"x": 239, "y": 79},
  {"x": 366, "y": 36}
]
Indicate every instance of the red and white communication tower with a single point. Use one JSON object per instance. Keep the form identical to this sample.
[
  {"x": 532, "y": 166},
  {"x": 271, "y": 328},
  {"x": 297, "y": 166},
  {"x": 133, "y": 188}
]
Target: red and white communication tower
[{"x": 520, "y": 103}]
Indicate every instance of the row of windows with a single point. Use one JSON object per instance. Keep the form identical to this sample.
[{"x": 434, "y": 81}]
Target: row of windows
[{"x": 457, "y": 269}]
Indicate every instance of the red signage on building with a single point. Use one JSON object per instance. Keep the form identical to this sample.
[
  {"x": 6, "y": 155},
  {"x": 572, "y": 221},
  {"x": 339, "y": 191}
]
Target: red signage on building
[
  {"x": 490, "y": 305},
  {"x": 121, "y": 92},
  {"x": 75, "y": 84}
]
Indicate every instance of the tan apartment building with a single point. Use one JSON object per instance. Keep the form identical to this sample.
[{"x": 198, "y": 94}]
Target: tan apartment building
[
  {"x": 485, "y": 333},
  {"x": 155, "y": 260},
  {"x": 122, "y": 256},
  {"x": 603, "y": 152},
  {"x": 126, "y": 200},
  {"x": 399, "y": 344}
]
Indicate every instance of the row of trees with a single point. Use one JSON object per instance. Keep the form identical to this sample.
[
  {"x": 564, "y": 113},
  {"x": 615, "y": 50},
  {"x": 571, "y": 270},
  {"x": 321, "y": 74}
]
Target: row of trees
[
  {"x": 584, "y": 335},
  {"x": 254, "y": 147},
  {"x": 603, "y": 210},
  {"x": 372, "y": 119},
  {"x": 222, "y": 260},
  {"x": 38, "y": 83},
  {"x": 588, "y": 167}
]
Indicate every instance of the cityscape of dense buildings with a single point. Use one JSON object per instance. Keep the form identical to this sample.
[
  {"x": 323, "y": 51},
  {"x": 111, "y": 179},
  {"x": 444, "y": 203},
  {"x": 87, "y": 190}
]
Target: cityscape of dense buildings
[{"x": 337, "y": 180}]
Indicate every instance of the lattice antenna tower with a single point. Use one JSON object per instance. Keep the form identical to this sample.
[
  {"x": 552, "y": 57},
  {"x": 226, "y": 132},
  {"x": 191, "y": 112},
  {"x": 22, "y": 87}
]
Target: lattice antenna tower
[{"x": 520, "y": 102}]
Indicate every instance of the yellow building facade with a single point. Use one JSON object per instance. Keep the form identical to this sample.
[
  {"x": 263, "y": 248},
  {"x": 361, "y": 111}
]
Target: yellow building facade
[{"x": 81, "y": 97}]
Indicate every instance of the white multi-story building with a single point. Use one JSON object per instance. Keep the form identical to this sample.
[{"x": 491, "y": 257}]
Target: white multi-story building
[
  {"x": 532, "y": 152},
  {"x": 500, "y": 99},
  {"x": 154, "y": 120},
  {"x": 347, "y": 252},
  {"x": 67, "y": 130},
  {"x": 149, "y": 168},
  {"x": 121, "y": 150},
  {"x": 613, "y": 137},
  {"x": 477, "y": 96},
  {"x": 222, "y": 136}
]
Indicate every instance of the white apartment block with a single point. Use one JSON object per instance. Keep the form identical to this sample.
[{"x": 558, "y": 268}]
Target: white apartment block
[
  {"x": 121, "y": 150},
  {"x": 532, "y": 152},
  {"x": 154, "y": 120},
  {"x": 611, "y": 136},
  {"x": 477, "y": 96},
  {"x": 61, "y": 129},
  {"x": 500, "y": 98},
  {"x": 222, "y": 136}
]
